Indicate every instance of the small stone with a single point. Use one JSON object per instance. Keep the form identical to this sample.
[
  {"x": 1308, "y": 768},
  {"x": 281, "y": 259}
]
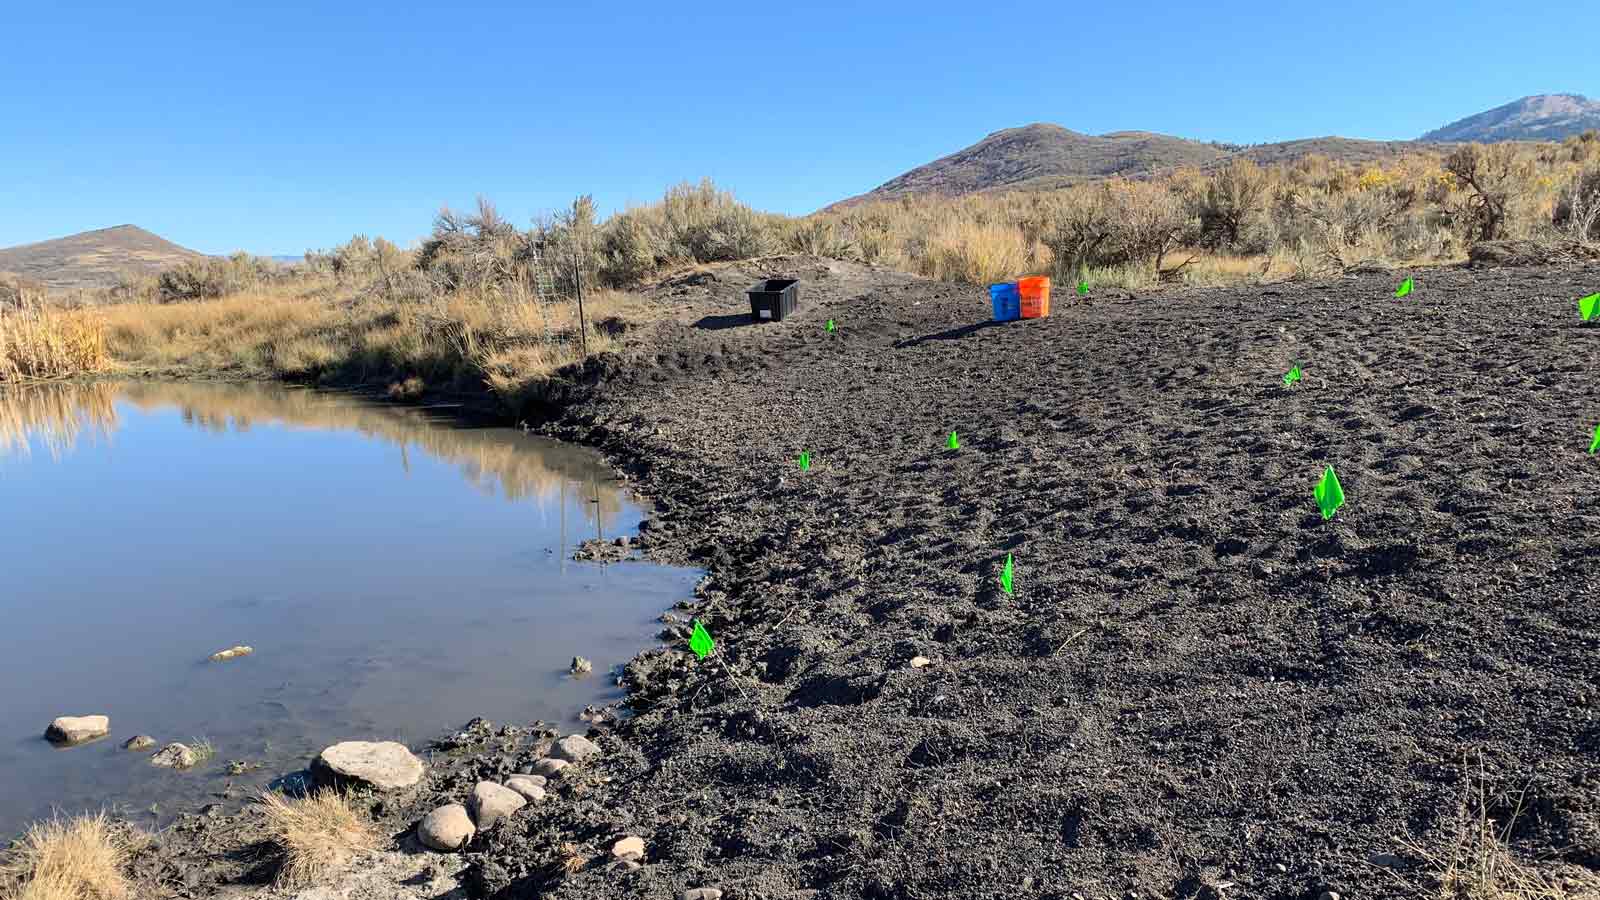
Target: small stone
[
  {"x": 550, "y": 768},
  {"x": 630, "y": 847},
  {"x": 446, "y": 829},
  {"x": 529, "y": 786},
  {"x": 232, "y": 653},
  {"x": 73, "y": 730},
  {"x": 581, "y": 666},
  {"x": 175, "y": 756},
  {"x": 379, "y": 765},
  {"x": 1386, "y": 861},
  {"x": 1328, "y": 895},
  {"x": 1280, "y": 868},
  {"x": 491, "y": 802},
  {"x": 920, "y": 662},
  {"x": 705, "y": 893},
  {"x": 574, "y": 748},
  {"x": 139, "y": 742}
]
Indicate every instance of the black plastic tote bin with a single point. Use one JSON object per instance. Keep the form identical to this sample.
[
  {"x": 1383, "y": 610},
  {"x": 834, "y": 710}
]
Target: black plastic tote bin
[{"x": 773, "y": 299}]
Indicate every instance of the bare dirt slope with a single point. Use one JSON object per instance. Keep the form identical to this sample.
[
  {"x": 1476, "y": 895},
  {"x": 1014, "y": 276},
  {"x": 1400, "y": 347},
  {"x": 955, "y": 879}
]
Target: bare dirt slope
[
  {"x": 93, "y": 258},
  {"x": 1198, "y": 680},
  {"x": 1199, "y": 688}
]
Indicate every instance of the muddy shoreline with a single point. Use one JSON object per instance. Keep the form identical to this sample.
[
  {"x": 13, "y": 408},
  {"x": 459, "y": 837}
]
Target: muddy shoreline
[{"x": 1198, "y": 688}]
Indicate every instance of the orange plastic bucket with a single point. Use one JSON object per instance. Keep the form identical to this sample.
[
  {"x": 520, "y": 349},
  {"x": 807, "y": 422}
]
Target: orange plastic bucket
[{"x": 1035, "y": 291}]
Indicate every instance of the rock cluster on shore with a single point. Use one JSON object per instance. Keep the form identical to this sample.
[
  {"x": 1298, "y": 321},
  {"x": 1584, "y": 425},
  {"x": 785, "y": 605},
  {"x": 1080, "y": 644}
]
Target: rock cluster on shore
[{"x": 452, "y": 826}]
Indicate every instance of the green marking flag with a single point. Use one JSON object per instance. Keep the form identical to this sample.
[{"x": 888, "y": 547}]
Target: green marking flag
[
  {"x": 1291, "y": 376},
  {"x": 1588, "y": 305},
  {"x": 700, "y": 640},
  {"x": 1596, "y": 445},
  {"x": 830, "y": 324},
  {"x": 1403, "y": 289},
  {"x": 1330, "y": 496},
  {"x": 805, "y": 461},
  {"x": 954, "y": 443},
  {"x": 1083, "y": 288},
  {"x": 1005, "y": 575}
]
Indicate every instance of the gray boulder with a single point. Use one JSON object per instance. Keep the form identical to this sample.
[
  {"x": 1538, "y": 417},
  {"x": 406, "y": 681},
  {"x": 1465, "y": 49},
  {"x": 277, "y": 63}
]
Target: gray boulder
[
  {"x": 574, "y": 748},
  {"x": 379, "y": 765},
  {"x": 175, "y": 756},
  {"x": 530, "y": 787},
  {"x": 73, "y": 730},
  {"x": 446, "y": 829},
  {"x": 491, "y": 802},
  {"x": 550, "y": 768}
]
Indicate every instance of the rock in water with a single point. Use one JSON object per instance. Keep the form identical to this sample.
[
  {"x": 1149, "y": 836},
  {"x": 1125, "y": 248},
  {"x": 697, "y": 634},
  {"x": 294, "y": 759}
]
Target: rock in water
[
  {"x": 71, "y": 730},
  {"x": 581, "y": 666},
  {"x": 574, "y": 748},
  {"x": 232, "y": 653},
  {"x": 529, "y": 786},
  {"x": 490, "y": 803},
  {"x": 379, "y": 765},
  {"x": 175, "y": 756},
  {"x": 139, "y": 742},
  {"x": 446, "y": 829}
]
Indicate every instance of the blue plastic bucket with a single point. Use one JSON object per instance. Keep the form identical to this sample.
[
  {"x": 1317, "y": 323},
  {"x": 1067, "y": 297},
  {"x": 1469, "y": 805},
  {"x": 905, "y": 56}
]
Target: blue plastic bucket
[{"x": 1007, "y": 301}]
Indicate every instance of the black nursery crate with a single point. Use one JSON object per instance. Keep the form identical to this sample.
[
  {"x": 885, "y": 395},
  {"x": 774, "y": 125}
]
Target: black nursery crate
[{"x": 773, "y": 299}]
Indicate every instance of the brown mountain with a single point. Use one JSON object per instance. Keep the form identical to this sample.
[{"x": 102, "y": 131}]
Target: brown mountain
[
  {"x": 1042, "y": 157},
  {"x": 1039, "y": 156},
  {"x": 1543, "y": 117},
  {"x": 93, "y": 258}
]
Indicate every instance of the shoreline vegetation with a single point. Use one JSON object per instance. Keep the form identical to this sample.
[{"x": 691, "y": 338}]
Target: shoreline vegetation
[
  {"x": 464, "y": 312},
  {"x": 481, "y": 303}
]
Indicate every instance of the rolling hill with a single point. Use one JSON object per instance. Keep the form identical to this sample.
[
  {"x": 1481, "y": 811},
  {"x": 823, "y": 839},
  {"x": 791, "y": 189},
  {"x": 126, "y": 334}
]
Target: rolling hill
[
  {"x": 93, "y": 258},
  {"x": 1543, "y": 117},
  {"x": 1042, "y": 157}
]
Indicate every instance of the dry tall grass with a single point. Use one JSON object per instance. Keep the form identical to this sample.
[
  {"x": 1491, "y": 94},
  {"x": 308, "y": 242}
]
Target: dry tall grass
[
  {"x": 38, "y": 342},
  {"x": 316, "y": 835},
  {"x": 1477, "y": 861},
  {"x": 503, "y": 339},
  {"x": 82, "y": 858}
]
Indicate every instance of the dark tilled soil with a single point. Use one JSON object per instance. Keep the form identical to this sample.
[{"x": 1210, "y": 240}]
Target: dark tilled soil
[{"x": 1199, "y": 688}]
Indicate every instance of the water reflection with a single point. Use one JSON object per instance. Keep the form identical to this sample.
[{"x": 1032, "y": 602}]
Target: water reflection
[
  {"x": 494, "y": 460},
  {"x": 396, "y": 573}
]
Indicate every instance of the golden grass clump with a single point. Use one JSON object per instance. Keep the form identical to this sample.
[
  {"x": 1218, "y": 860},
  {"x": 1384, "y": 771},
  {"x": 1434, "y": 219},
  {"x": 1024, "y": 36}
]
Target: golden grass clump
[
  {"x": 317, "y": 835},
  {"x": 981, "y": 253},
  {"x": 37, "y": 342},
  {"x": 81, "y": 858}
]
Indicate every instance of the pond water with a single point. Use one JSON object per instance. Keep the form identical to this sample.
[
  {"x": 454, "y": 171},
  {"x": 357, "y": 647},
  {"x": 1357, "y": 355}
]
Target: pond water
[{"x": 396, "y": 573}]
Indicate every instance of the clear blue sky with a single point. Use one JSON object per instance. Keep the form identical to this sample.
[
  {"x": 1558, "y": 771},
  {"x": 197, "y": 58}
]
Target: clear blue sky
[{"x": 294, "y": 124}]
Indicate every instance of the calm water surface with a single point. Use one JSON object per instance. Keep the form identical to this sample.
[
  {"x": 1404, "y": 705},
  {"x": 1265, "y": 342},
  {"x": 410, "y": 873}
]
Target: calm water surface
[{"x": 396, "y": 574}]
